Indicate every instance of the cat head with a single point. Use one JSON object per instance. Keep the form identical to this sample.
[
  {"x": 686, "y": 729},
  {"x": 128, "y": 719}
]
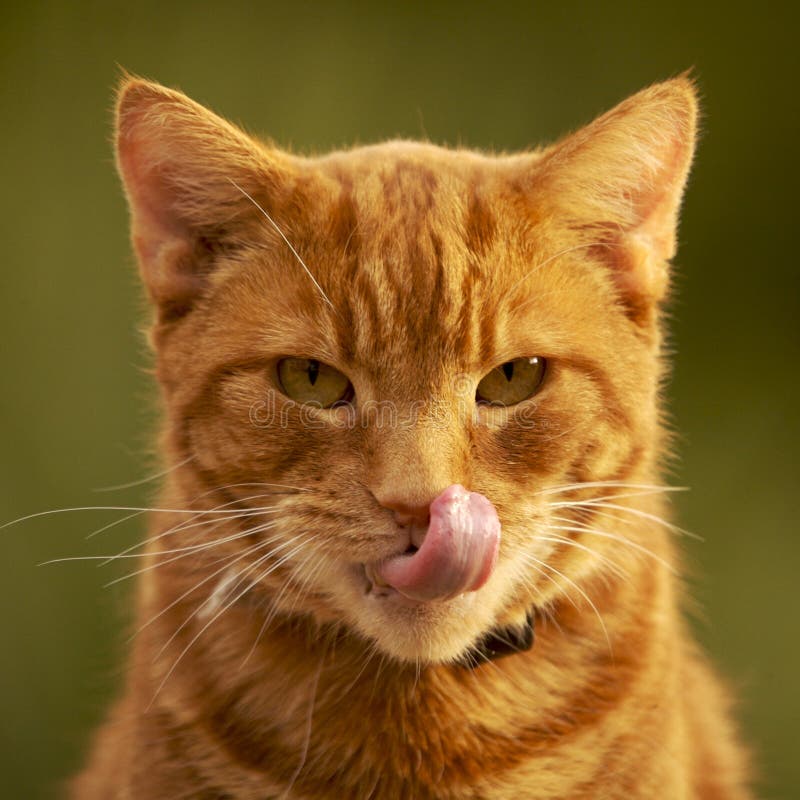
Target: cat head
[{"x": 369, "y": 327}]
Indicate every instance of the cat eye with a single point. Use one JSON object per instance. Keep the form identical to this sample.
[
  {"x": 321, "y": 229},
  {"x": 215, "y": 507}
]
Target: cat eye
[
  {"x": 512, "y": 382},
  {"x": 307, "y": 380}
]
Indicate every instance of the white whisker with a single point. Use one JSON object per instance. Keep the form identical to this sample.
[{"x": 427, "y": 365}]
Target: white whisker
[
  {"x": 637, "y": 512},
  {"x": 141, "y": 481},
  {"x": 113, "y": 524},
  {"x": 142, "y": 509},
  {"x": 247, "y": 569},
  {"x": 159, "y": 564},
  {"x": 288, "y": 243},
  {"x": 619, "y": 538},
  {"x": 200, "y": 512},
  {"x": 192, "y": 548},
  {"x": 569, "y": 487},
  {"x": 232, "y": 559},
  {"x": 185, "y": 526},
  {"x": 219, "y": 613},
  {"x": 613, "y": 566},
  {"x": 552, "y": 258},
  {"x": 581, "y": 592},
  {"x": 598, "y": 500}
]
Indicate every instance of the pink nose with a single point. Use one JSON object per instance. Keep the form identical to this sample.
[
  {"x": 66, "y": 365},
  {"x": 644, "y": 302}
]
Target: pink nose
[{"x": 407, "y": 513}]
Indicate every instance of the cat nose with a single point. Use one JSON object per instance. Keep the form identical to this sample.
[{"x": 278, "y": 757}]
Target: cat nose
[{"x": 407, "y": 512}]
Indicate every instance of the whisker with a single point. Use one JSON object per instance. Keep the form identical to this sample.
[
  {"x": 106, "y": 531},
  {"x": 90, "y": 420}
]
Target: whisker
[
  {"x": 288, "y": 243},
  {"x": 597, "y": 500},
  {"x": 637, "y": 512},
  {"x": 552, "y": 258},
  {"x": 274, "y": 606},
  {"x": 619, "y": 538},
  {"x": 232, "y": 559},
  {"x": 193, "y": 548},
  {"x": 216, "y": 616},
  {"x": 185, "y": 526},
  {"x": 613, "y": 566},
  {"x": 271, "y": 614},
  {"x": 370, "y": 652},
  {"x": 113, "y": 524},
  {"x": 571, "y": 521},
  {"x": 381, "y": 664},
  {"x": 198, "y": 497},
  {"x": 248, "y": 568},
  {"x": 552, "y": 580},
  {"x": 158, "y": 564},
  {"x": 142, "y": 509},
  {"x": 197, "y": 611},
  {"x": 583, "y": 594},
  {"x": 188, "y": 525},
  {"x": 571, "y": 487},
  {"x": 255, "y": 483},
  {"x": 151, "y": 509},
  {"x": 141, "y": 481}
]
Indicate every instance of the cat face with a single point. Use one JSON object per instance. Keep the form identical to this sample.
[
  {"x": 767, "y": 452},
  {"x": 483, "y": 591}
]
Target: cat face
[{"x": 340, "y": 339}]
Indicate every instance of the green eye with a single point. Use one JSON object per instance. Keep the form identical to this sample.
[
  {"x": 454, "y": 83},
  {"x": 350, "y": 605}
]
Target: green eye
[
  {"x": 307, "y": 380},
  {"x": 512, "y": 382}
]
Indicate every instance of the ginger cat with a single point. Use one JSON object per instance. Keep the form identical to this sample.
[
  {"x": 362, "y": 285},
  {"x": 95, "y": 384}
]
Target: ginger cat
[{"x": 412, "y": 542}]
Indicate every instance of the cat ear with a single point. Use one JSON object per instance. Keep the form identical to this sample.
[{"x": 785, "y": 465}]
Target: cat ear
[
  {"x": 620, "y": 181},
  {"x": 185, "y": 171}
]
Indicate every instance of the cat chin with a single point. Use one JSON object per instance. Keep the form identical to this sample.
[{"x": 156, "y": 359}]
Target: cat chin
[
  {"x": 409, "y": 631},
  {"x": 424, "y": 632}
]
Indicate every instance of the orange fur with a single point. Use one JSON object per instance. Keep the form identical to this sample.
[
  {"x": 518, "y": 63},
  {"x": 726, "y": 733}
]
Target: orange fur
[{"x": 422, "y": 269}]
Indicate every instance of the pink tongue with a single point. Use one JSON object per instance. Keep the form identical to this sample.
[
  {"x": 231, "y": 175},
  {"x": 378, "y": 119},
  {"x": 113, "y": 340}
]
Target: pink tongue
[{"x": 458, "y": 553}]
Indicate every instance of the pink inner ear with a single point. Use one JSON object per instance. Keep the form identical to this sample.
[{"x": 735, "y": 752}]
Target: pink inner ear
[
  {"x": 151, "y": 203},
  {"x": 165, "y": 250},
  {"x": 620, "y": 181},
  {"x": 177, "y": 160},
  {"x": 155, "y": 127},
  {"x": 162, "y": 241}
]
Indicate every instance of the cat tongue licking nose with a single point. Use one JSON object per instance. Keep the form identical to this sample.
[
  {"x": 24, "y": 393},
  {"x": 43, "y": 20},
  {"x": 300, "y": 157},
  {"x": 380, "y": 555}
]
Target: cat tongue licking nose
[{"x": 458, "y": 553}]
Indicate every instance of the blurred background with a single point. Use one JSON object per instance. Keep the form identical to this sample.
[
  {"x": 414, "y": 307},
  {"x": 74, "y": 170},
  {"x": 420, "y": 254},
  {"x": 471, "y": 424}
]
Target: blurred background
[{"x": 76, "y": 407}]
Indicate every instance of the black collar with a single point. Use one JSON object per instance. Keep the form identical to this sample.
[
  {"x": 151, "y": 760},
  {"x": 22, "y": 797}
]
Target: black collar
[{"x": 501, "y": 642}]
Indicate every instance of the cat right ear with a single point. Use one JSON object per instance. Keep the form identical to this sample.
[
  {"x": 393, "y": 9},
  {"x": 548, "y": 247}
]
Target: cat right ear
[
  {"x": 185, "y": 171},
  {"x": 619, "y": 181}
]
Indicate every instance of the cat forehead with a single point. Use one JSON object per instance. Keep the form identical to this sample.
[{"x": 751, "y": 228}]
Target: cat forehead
[
  {"x": 416, "y": 204},
  {"x": 412, "y": 233},
  {"x": 419, "y": 252},
  {"x": 396, "y": 174}
]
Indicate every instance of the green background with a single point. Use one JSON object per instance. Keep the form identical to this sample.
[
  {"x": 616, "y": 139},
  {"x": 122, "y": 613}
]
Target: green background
[{"x": 76, "y": 409}]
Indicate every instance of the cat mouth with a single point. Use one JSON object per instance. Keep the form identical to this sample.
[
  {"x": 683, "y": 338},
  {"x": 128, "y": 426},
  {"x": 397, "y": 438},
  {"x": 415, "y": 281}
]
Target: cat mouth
[
  {"x": 457, "y": 554},
  {"x": 378, "y": 588}
]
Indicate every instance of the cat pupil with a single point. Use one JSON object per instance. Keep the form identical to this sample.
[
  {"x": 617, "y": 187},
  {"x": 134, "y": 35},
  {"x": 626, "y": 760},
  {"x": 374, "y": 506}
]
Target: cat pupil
[
  {"x": 508, "y": 370},
  {"x": 313, "y": 371}
]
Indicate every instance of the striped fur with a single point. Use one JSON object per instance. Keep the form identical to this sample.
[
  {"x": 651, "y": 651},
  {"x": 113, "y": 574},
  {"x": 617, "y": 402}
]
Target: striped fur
[{"x": 416, "y": 270}]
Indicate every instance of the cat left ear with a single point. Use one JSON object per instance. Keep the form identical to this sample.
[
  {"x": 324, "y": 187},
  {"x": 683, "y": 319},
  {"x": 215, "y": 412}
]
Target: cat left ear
[
  {"x": 620, "y": 181},
  {"x": 186, "y": 172}
]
